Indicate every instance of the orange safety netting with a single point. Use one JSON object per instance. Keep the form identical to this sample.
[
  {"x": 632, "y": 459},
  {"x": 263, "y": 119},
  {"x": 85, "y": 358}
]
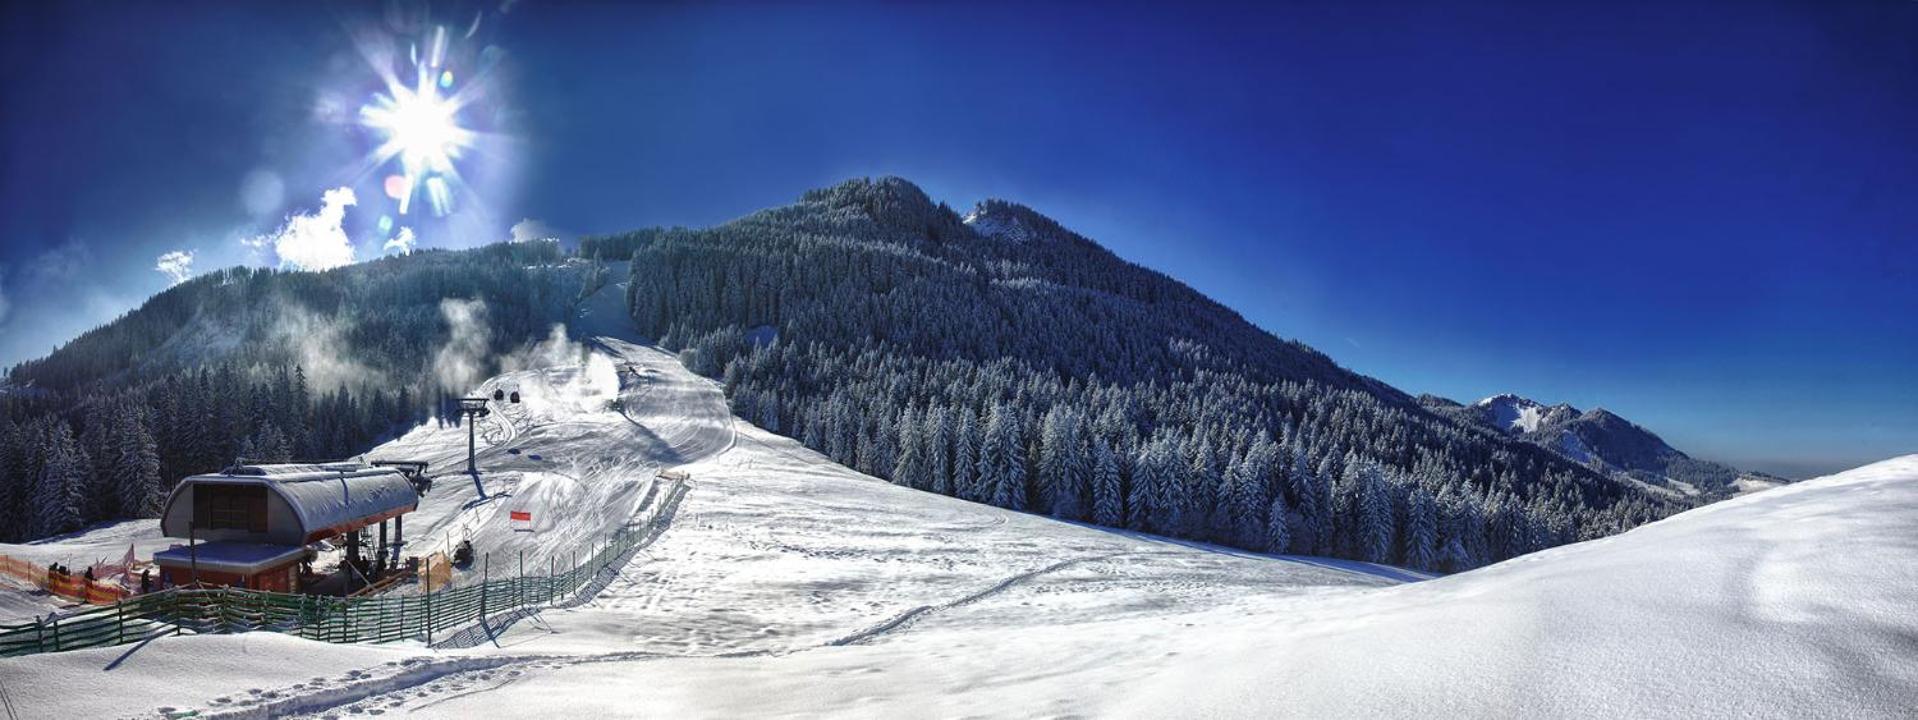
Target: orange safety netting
[{"x": 72, "y": 587}]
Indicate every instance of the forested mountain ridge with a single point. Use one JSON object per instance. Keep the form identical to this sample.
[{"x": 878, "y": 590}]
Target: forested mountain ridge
[
  {"x": 1602, "y": 440},
  {"x": 1004, "y": 359},
  {"x": 264, "y": 364},
  {"x": 995, "y": 356}
]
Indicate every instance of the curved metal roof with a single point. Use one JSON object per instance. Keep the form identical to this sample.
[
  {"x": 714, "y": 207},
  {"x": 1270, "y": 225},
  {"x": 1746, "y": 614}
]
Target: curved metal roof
[{"x": 326, "y": 499}]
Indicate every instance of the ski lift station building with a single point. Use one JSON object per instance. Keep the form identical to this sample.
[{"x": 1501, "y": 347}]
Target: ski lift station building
[{"x": 250, "y": 525}]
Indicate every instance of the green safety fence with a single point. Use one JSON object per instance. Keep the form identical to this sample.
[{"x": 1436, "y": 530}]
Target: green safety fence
[{"x": 371, "y": 618}]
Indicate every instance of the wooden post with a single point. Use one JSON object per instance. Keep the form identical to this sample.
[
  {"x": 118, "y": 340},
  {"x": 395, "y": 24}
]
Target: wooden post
[
  {"x": 486, "y": 575},
  {"x": 429, "y": 601},
  {"x": 519, "y": 583},
  {"x": 192, "y": 552}
]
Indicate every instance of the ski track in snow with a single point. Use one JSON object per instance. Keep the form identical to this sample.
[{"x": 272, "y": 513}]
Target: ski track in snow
[
  {"x": 769, "y": 552},
  {"x": 775, "y": 583}
]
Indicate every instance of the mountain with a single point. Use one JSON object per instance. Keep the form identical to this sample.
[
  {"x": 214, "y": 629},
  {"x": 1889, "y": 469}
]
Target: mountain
[
  {"x": 996, "y": 356},
  {"x": 1602, "y": 440}
]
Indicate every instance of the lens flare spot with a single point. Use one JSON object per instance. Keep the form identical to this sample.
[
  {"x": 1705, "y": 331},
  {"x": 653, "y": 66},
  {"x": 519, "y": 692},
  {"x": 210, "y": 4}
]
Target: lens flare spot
[
  {"x": 446, "y": 79},
  {"x": 386, "y": 224},
  {"x": 396, "y": 186}
]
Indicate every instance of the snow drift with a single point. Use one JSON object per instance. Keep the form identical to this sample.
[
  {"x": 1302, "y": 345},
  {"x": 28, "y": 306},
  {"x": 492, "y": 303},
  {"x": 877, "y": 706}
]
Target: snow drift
[{"x": 1796, "y": 602}]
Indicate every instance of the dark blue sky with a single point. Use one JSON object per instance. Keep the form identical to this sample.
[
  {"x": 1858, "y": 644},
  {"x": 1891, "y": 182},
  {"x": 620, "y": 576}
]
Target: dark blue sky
[{"x": 1701, "y": 216}]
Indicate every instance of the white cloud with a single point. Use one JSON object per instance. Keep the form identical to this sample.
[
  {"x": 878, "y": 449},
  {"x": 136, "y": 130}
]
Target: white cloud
[
  {"x": 316, "y": 241},
  {"x": 176, "y": 265},
  {"x": 403, "y": 242},
  {"x": 529, "y": 230}
]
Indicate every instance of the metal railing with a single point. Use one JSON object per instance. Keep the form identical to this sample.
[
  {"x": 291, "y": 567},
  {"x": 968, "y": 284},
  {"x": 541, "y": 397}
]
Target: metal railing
[{"x": 370, "y": 618}]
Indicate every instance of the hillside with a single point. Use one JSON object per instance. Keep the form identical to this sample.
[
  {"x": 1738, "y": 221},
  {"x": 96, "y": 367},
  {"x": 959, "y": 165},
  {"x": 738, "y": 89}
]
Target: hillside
[
  {"x": 912, "y": 337},
  {"x": 996, "y": 357},
  {"x": 784, "y": 585},
  {"x": 1795, "y": 602}
]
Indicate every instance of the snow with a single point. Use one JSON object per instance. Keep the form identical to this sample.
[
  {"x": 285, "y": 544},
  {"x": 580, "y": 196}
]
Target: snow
[
  {"x": 783, "y": 585},
  {"x": 999, "y": 226},
  {"x": 102, "y": 542},
  {"x": 20, "y": 602},
  {"x": 1514, "y": 414},
  {"x": 1796, "y": 602}
]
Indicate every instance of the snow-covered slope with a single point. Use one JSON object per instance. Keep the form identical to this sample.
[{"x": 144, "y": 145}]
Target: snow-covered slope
[
  {"x": 784, "y": 585},
  {"x": 771, "y": 553},
  {"x": 1798, "y": 602}
]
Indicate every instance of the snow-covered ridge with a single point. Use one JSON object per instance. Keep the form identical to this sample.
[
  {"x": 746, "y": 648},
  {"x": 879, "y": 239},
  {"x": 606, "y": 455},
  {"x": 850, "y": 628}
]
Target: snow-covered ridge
[
  {"x": 1512, "y": 413},
  {"x": 1796, "y": 602},
  {"x": 786, "y": 585},
  {"x": 999, "y": 225}
]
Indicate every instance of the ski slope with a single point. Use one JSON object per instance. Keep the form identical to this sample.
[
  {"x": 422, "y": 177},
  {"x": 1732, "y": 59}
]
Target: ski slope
[
  {"x": 783, "y": 585},
  {"x": 771, "y": 554}
]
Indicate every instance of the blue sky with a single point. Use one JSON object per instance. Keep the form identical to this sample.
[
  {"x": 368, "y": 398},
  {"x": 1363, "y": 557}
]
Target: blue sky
[{"x": 1699, "y": 216}]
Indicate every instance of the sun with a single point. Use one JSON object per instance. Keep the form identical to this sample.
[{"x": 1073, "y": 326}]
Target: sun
[{"x": 421, "y": 128}]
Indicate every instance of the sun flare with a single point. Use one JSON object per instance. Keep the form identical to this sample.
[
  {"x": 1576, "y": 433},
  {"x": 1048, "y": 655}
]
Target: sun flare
[{"x": 422, "y": 129}]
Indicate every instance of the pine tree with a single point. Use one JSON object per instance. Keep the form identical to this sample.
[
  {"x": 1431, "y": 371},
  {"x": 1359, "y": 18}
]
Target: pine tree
[
  {"x": 1002, "y": 467},
  {"x": 13, "y": 479},
  {"x": 1421, "y": 532},
  {"x": 136, "y": 470},
  {"x": 910, "y": 467},
  {"x": 58, "y": 499},
  {"x": 965, "y": 458},
  {"x": 1312, "y": 533},
  {"x": 1108, "y": 502},
  {"x": 1278, "y": 534},
  {"x": 1143, "y": 491},
  {"x": 1064, "y": 470},
  {"x": 1246, "y": 494},
  {"x": 1375, "y": 515},
  {"x": 939, "y": 451}
]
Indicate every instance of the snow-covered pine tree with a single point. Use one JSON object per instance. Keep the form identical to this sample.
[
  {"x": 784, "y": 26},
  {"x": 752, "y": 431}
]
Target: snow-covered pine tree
[
  {"x": 1200, "y": 510},
  {"x": 1247, "y": 491},
  {"x": 1453, "y": 553},
  {"x": 1278, "y": 533},
  {"x": 1171, "y": 498},
  {"x": 1143, "y": 493},
  {"x": 1344, "y": 513},
  {"x": 1002, "y": 467},
  {"x": 58, "y": 502},
  {"x": 909, "y": 469},
  {"x": 1310, "y": 534},
  {"x": 1375, "y": 514},
  {"x": 1421, "y": 531},
  {"x": 1108, "y": 501},
  {"x": 136, "y": 467},
  {"x": 939, "y": 451},
  {"x": 965, "y": 457},
  {"x": 13, "y": 479},
  {"x": 1063, "y": 469},
  {"x": 769, "y": 412}
]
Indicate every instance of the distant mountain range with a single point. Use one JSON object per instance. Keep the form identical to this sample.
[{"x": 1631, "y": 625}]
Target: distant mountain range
[{"x": 1603, "y": 441}]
